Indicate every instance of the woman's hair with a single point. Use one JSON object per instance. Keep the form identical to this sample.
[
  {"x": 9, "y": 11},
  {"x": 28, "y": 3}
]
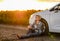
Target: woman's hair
[{"x": 39, "y": 17}]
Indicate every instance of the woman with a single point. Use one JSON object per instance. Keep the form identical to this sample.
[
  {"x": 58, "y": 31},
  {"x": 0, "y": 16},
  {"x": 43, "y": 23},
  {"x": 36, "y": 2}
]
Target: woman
[{"x": 36, "y": 29}]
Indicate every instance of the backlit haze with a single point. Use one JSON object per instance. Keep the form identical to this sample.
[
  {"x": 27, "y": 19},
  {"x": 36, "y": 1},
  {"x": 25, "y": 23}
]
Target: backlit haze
[{"x": 25, "y": 5}]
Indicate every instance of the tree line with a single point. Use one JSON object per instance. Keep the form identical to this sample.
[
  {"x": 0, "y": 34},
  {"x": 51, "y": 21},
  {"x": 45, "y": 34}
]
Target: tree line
[{"x": 16, "y": 17}]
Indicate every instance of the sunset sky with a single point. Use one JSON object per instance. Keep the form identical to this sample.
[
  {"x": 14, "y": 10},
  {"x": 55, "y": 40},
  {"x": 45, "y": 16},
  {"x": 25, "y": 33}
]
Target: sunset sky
[{"x": 25, "y": 4}]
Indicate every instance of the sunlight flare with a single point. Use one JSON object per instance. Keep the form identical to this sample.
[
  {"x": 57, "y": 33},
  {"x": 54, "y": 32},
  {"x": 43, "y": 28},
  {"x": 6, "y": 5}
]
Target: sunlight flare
[{"x": 25, "y": 4}]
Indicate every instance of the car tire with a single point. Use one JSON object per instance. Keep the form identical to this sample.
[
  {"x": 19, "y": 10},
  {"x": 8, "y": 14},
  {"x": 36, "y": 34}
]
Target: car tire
[{"x": 46, "y": 32}]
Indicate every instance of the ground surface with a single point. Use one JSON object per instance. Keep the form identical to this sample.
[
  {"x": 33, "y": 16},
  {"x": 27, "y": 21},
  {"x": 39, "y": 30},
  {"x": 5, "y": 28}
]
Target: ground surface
[{"x": 7, "y": 33}]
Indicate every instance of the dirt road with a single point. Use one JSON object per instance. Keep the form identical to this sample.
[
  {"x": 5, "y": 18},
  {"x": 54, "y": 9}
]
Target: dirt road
[{"x": 8, "y": 33}]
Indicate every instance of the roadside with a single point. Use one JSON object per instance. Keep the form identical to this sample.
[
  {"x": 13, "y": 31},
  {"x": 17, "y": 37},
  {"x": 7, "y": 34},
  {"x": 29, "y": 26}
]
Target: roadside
[
  {"x": 8, "y": 33},
  {"x": 13, "y": 26}
]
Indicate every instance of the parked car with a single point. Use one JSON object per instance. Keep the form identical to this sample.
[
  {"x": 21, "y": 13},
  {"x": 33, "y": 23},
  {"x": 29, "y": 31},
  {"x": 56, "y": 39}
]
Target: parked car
[{"x": 51, "y": 18}]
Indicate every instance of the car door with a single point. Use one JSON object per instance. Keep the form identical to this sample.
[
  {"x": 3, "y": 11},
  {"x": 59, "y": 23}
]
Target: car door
[{"x": 55, "y": 22}]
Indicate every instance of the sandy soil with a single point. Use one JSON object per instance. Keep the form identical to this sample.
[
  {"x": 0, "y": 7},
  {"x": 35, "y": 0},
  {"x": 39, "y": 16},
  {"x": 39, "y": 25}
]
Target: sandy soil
[{"x": 8, "y": 33}]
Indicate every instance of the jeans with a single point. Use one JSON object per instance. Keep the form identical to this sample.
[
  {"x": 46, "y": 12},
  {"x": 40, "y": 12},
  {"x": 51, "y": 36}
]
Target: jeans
[{"x": 30, "y": 33}]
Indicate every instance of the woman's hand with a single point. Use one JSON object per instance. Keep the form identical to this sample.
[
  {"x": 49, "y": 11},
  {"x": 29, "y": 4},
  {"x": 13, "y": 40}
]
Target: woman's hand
[{"x": 29, "y": 27}]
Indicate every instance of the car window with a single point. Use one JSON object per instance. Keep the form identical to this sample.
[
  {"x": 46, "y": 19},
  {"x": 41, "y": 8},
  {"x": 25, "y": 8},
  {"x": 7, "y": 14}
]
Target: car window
[{"x": 57, "y": 7}]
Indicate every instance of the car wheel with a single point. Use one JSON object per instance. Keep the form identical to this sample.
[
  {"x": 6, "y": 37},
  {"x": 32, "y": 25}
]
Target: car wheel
[{"x": 46, "y": 31}]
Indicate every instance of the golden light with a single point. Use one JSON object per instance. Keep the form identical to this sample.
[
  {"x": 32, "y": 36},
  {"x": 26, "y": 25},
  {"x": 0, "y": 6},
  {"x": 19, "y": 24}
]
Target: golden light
[{"x": 25, "y": 4}]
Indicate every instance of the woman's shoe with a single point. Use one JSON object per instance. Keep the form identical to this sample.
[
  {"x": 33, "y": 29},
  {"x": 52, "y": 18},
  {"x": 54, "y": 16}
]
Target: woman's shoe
[{"x": 18, "y": 36}]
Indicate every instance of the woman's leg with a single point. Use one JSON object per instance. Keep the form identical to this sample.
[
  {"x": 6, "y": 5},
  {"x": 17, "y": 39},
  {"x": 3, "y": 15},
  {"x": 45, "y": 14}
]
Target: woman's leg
[{"x": 29, "y": 35}]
